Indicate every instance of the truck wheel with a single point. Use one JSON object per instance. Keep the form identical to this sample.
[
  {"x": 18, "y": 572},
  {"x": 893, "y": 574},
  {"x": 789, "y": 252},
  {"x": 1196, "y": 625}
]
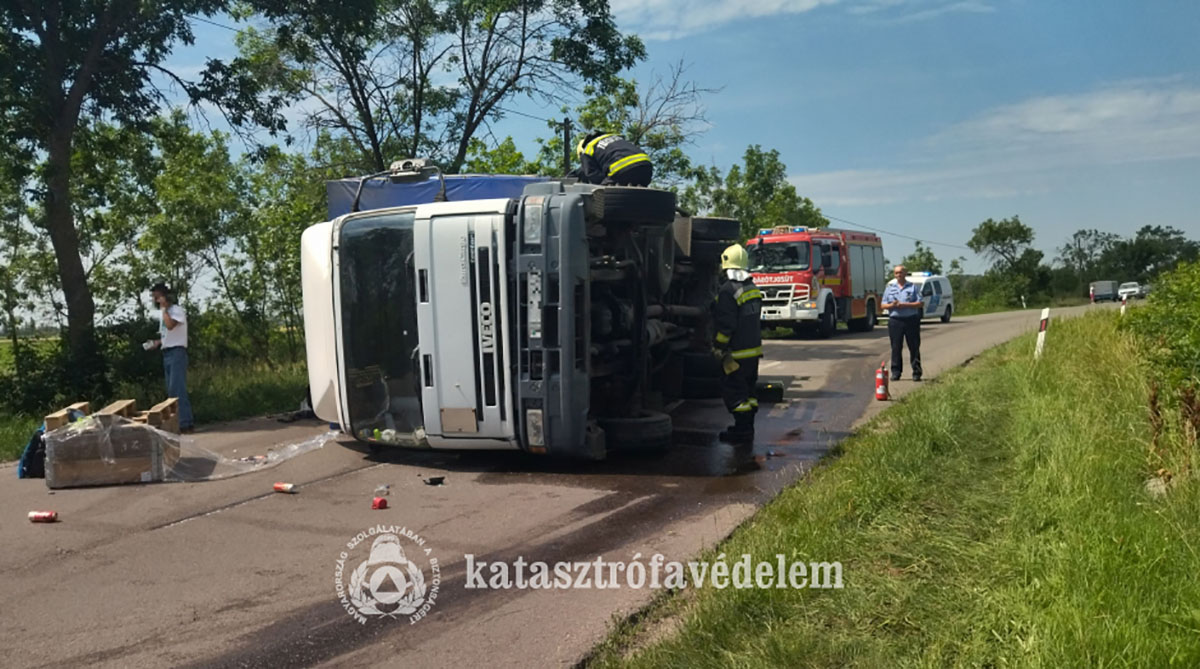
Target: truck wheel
[
  {"x": 946, "y": 316},
  {"x": 827, "y": 324},
  {"x": 716, "y": 229},
  {"x": 708, "y": 252},
  {"x": 635, "y": 205},
  {"x": 701, "y": 365},
  {"x": 648, "y": 431},
  {"x": 866, "y": 323},
  {"x": 701, "y": 388}
]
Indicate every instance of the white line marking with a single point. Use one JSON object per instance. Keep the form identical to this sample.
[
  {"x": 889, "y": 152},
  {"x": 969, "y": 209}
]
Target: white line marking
[{"x": 770, "y": 365}]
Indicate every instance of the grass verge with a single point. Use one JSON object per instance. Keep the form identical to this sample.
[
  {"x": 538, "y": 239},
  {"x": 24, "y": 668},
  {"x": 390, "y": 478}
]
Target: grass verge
[
  {"x": 1001, "y": 519},
  {"x": 218, "y": 393}
]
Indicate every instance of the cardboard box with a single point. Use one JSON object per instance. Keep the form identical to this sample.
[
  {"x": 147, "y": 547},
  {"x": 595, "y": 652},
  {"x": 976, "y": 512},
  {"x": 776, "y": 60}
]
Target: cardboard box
[{"x": 108, "y": 450}]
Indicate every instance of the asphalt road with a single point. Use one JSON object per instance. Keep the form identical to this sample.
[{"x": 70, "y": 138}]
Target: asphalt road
[{"x": 228, "y": 573}]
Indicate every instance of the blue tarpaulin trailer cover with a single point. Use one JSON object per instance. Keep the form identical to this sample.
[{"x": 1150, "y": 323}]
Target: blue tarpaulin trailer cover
[{"x": 381, "y": 193}]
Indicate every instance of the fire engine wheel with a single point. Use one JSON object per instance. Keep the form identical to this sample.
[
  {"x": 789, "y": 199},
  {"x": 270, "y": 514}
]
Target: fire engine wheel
[
  {"x": 635, "y": 205},
  {"x": 866, "y": 323},
  {"x": 946, "y": 316},
  {"x": 716, "y": 229},
  {"x": 827, "y": 324},
  {"x": 648, "y": 431}
]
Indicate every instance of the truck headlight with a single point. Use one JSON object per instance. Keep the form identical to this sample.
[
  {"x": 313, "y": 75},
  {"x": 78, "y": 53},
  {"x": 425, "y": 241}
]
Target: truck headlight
[
  {"x": 535, "y": 433},
  {"x": 810, "y": 305},
  {"x": 531, "y": 227}
]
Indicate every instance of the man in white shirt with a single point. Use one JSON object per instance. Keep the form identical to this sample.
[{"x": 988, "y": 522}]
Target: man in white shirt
[{"x": 173, "y": 340}]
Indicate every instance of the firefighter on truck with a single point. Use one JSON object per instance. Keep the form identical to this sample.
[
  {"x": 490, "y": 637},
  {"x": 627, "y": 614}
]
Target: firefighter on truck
[
  {"x": 609, "y": 159},
  {"x": 738, "y": 343}
]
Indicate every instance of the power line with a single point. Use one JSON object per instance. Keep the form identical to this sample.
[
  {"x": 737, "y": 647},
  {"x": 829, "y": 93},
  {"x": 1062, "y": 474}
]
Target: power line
[
  {"x": 895, "y": 234},
  {"x": 211, "y": 23},
  {"x": 536, "y": 118}
]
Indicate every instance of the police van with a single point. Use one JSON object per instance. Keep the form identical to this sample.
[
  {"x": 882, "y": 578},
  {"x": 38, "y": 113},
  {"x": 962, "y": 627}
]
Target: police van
[{"x": 936, "y": 293}]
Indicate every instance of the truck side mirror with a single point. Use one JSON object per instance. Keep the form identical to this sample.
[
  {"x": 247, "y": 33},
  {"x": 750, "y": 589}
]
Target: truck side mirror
[{"x": 826, "y": 259}]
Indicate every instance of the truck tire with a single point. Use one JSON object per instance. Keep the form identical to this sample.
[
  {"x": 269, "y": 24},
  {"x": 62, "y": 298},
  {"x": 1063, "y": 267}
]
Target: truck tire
[
  {"x": 827, "y": 324},
  {"x": 648, "y": 431},
  {"x": 635, "y": 205},
  {"x": 702, "y": 365},
  {"x": 866, "y": 323},
  {"x": 708, "y": 252},
  {"x": 701, "y": 388},
  {"x": 946, "y": 316},
  {"x": 716, "y": 229}
]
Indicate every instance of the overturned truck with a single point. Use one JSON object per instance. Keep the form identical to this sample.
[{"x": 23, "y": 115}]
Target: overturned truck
[{"x": 560, "y": 321}]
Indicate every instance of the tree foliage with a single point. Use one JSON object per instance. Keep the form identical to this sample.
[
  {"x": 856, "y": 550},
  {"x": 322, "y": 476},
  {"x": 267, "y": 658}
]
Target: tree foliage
[
  {"x": 1003, "y": 242},
  {"x": 922, "y": 259},
  {"x": 757, "y": 193}
]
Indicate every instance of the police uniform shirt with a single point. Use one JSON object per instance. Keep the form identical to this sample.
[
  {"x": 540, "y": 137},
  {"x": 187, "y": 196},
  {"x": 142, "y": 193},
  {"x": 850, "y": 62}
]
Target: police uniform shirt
[{"x": 909, "y": 292}]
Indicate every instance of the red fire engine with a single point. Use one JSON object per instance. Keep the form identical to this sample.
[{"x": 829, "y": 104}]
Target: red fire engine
[{"x": 817, "y": 277}]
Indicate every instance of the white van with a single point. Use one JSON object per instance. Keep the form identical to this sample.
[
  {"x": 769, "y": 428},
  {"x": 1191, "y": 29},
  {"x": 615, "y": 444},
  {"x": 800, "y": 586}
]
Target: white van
[{"x": 936, "y": 293}]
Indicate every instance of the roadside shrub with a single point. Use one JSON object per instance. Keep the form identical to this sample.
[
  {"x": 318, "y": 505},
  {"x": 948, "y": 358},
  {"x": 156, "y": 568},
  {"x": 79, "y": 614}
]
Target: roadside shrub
[{"x": 1169, "y": 327}]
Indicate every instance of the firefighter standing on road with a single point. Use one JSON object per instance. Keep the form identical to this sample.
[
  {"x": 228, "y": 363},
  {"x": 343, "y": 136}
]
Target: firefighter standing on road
[
  {"x": 611, "y": 160},
  {"x": 736, "y": 314}
]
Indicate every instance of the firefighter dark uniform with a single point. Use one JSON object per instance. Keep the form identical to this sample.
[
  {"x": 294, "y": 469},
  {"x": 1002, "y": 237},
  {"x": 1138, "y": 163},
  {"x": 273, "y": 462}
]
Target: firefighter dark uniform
[
  {"x": 611, "y": 160},
  {"x": 737, "y": 315}
]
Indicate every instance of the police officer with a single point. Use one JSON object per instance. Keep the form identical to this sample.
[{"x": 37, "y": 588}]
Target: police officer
[
  {"x": 736, "y": 314},
  {"x": 902, "y": 299},
  {"x": 609, "y": 159}
]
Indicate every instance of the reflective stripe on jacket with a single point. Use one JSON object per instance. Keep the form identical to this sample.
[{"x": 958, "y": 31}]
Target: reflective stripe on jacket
[
  {"x": 737, "y": 315},
  {"x": 606, "y": 155}
]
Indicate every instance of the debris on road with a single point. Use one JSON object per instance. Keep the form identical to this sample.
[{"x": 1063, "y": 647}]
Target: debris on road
[
  {"x": 383, "y": 490},
  {"x": 285, "y": 487},
  {"x": 379, "y": 503},
  {"x": 435, "y": 480},
  {"x": 43, "y": 516}
]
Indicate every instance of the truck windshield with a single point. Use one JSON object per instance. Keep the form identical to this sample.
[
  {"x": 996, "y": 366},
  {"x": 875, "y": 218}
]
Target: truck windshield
[
  {"x": 379, "y": 323},
  {"x": 779, "y": 257}
]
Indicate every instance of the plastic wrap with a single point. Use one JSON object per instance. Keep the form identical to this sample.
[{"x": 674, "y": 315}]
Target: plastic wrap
[{"x": 110, "y": 450}]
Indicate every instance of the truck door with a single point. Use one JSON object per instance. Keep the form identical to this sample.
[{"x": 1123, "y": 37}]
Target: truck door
[{"x": 929, "y": 298}]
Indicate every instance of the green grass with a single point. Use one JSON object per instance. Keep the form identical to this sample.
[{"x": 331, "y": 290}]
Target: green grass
[
  {"x": 218, "y": 393},
  {"x": 997, "y": 518}
]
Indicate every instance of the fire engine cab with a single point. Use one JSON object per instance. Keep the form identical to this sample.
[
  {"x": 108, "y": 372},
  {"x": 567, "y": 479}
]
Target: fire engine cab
[{"x": 815, "y": 277}]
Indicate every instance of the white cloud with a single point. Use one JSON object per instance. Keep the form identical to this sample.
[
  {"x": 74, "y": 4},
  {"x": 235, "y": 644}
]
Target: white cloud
[
  {"x": 1021, "y": 148},
  {"x": 965, "y": 6},
  {"x": 672, "y": 19}
]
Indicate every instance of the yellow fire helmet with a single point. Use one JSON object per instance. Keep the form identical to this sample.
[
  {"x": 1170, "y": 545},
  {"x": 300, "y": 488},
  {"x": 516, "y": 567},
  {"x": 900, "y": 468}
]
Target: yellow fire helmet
[{"x": 735, "y": 257}]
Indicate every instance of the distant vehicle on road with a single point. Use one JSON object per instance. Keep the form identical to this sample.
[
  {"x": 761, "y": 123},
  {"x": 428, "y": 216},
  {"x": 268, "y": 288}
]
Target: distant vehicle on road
[
  {"x": 936, "y": 293},
  {"x": 1130, "y": 290},
  {"x": 1104, "y": 290}
]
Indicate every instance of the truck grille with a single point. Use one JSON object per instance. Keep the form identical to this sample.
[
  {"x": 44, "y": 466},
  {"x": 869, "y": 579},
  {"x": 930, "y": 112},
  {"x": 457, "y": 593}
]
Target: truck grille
[{"x": 784, "y": 294}]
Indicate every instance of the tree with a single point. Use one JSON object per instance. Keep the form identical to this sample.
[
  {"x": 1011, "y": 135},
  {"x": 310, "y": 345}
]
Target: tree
[
  {"x": 1003, "y": 242},
  {"x": 1153, "y": 250},
  {"x": 922, "y": 259},
  {"x": 99, "y": 57},
  {"x": 1084, "y": 249},
  {"x": 371, "y": 68},
  {"x": 756, "y": 193}
]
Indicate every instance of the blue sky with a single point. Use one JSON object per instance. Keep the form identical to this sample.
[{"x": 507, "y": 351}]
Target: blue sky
[{"x": 925, "y": 117}]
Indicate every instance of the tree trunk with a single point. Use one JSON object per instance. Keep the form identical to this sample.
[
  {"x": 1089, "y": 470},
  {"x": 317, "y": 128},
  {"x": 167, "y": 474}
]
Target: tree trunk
[{"x": 85, "y": 371}]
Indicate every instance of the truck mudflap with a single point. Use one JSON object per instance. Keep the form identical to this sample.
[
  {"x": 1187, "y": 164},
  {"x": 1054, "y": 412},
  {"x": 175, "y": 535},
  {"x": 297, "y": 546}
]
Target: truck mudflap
[{"x": 550, "y": 316}]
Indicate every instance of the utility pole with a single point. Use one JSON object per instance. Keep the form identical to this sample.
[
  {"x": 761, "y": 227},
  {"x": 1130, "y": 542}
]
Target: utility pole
[{"x": 566, "y": 129}]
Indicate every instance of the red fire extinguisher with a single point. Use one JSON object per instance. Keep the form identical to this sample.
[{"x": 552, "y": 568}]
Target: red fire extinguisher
[{"x": 881, "y": 383}]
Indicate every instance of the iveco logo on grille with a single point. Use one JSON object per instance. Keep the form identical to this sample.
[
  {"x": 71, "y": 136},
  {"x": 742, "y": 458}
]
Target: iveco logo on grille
[{"x": 487, "y": 337}]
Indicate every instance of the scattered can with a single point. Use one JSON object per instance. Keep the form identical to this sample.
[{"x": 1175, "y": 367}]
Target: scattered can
[
  {"x": 379, "y": 503},
  {"x": 43, "y": 516},
  {"x": 285, "y": 487}
]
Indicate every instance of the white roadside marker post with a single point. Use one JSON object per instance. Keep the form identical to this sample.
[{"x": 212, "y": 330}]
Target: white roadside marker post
[
  {"x": 1041, "y": 340},
  {"x": 1124, "y": 301}
]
